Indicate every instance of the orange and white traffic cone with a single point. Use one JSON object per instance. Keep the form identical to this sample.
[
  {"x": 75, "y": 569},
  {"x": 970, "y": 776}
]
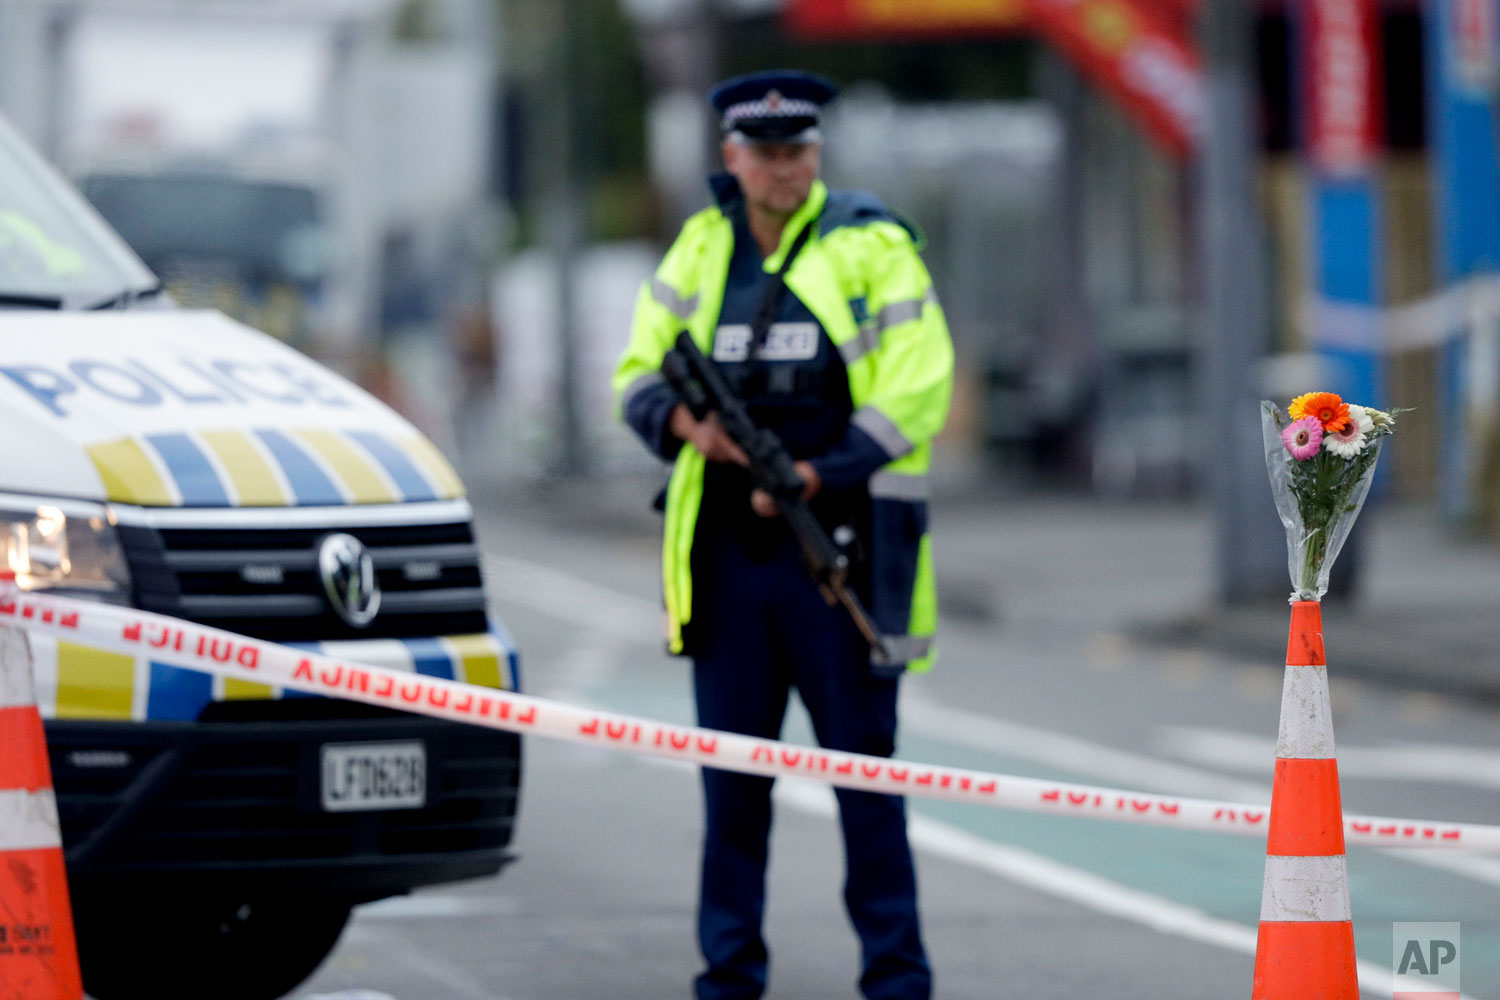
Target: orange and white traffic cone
[
  {"x": 38, "y": 952},
  {"x": 1305, "y": 950}
]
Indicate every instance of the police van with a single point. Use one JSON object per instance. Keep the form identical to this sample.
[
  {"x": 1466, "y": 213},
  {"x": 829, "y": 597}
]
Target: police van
[{"x": 218, "y": 832}]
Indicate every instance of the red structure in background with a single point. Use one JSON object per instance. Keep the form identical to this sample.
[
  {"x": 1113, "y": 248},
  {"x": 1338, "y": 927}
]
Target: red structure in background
[
  {"x": 1136, "y": 53},
  {"x": 906, "y": 18},
  {"x": 1344, "y": 102},
  {"x": 1141, "y": 52}
]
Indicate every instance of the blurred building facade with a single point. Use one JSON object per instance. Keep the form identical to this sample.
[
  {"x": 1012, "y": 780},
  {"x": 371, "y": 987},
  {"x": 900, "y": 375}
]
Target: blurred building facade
[
  {"x": 1381, "y": 273},
  {"x": 507, "y": 166},
  {"x": 319, "y": 169}
]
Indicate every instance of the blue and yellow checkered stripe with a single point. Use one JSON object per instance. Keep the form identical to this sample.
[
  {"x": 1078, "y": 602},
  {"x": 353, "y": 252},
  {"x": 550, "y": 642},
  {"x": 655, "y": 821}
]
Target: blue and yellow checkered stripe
[
  {"x": 80, "y": 682},
  {"x": 272, "y": 467}
]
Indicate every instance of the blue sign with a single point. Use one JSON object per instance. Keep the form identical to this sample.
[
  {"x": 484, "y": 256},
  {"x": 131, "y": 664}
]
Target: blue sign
[{"x": 1466, "y": 189}]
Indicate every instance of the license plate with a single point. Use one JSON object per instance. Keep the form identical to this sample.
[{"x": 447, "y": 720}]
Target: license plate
[{"x": 372, "y": 776}]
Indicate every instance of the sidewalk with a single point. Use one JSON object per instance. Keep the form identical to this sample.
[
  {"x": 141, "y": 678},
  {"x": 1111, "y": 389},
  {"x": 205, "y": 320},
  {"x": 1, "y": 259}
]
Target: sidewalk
[{"x": 1426, "y": 614}]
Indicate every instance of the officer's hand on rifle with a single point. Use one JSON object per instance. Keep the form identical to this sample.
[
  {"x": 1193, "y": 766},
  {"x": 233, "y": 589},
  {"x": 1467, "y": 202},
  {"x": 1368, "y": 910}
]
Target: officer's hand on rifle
[
  {"x": 765, "y": 505},
  {"x": 707, "y": 435}
]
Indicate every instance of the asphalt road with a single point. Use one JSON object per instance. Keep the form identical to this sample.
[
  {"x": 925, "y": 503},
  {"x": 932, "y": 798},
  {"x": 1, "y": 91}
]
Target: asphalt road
[{"x": 1040, "y": 676}]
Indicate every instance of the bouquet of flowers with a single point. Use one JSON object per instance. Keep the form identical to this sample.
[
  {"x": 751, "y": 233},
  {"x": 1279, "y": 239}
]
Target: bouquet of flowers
[{"x": 1321, "y": 456}]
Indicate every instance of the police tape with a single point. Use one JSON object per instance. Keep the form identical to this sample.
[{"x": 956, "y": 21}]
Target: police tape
[
  {"x": 183, "y": 644},
  {"x": 1463, "y": 309}
]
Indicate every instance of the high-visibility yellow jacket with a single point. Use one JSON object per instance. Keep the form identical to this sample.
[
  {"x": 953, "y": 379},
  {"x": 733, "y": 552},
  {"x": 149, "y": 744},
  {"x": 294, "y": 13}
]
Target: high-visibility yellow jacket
[{"x": 861, "y": 276}]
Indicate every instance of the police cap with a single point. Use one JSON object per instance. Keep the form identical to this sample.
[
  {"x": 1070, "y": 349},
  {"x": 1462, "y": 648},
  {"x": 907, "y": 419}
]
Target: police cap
[{"x": 772, "y": 105}]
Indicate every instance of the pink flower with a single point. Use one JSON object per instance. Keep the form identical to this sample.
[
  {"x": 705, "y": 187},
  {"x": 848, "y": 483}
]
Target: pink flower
[{"x": 1303, "y": 438}]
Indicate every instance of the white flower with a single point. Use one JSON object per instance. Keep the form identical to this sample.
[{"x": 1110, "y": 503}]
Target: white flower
[
  {"x": 1379, "y": 418},
  {"x": 1351, "y": 440}
]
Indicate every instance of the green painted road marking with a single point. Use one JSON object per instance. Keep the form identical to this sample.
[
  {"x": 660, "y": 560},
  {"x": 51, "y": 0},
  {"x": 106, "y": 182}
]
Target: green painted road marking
[{"x": 1217, "y": 873}]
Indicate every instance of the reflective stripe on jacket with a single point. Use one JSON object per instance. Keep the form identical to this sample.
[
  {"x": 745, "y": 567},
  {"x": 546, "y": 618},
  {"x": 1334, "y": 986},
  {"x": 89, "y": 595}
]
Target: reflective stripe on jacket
[{"x": 861, "y": 276}]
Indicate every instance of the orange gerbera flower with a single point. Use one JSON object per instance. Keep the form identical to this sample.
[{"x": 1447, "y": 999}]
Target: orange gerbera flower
[{"x": 1330, "y": 410}]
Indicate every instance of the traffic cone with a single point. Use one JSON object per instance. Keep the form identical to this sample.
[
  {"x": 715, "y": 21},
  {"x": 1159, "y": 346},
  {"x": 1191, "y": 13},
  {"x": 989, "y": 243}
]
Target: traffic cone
[
  {"x": 38, "y": 952},
  {"x": 1305, "y": 949}
]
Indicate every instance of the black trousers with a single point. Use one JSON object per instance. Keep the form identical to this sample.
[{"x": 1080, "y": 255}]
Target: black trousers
[{"x": 763, "y": 629}]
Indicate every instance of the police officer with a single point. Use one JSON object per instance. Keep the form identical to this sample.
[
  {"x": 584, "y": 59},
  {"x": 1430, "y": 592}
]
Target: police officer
[{"x": 817, "y": 308}]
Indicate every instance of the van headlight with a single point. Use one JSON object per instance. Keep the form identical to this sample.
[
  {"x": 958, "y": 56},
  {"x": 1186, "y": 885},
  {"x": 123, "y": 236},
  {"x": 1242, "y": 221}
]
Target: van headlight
[{"x": 65, "y": 548}]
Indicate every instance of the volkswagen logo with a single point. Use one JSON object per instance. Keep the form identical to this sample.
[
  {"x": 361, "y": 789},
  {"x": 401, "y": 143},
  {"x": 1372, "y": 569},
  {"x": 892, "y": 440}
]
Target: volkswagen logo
[{"x": 348, "y": 574}]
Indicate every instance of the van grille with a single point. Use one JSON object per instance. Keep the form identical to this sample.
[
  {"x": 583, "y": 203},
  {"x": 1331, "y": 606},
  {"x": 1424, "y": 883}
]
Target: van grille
[
  {"x": 241, "y": 787},
  {"x": 263, "y": 581}
]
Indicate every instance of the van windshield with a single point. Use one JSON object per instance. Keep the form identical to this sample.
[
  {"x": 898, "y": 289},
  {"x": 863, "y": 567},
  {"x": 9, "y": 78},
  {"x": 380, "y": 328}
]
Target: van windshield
[
  {"x": 178, "y": 220},
  {"x": 52, "y": 244}
]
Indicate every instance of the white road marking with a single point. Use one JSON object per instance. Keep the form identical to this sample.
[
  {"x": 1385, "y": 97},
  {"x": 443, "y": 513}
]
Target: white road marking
[
  {"x": 581, "y": 602},
  {"x": 1130, "y": 770},
  {"x": 1424, "y": 762},
  {"x": 425, "y": 905},
  {"x": 1043, "y": 874},
  {"x": 581, "y": 666},
  {"x": 935, "y": 838},
  {"x": 455, "y": 982},
  {"x": 573, "y": 599},
  {"x": 592, "y": 606},
  {"x": 366, "y": 933},
  {"x": 927, "y": 718}
]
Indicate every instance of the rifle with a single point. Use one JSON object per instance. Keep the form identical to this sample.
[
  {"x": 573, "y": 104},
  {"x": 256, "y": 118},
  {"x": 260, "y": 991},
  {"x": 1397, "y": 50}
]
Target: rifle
[{"x": 701, "y": 387}]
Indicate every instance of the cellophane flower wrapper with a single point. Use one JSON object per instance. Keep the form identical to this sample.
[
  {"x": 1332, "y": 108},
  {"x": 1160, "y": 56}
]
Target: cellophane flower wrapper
[{"x": 1318, "y": 499}]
